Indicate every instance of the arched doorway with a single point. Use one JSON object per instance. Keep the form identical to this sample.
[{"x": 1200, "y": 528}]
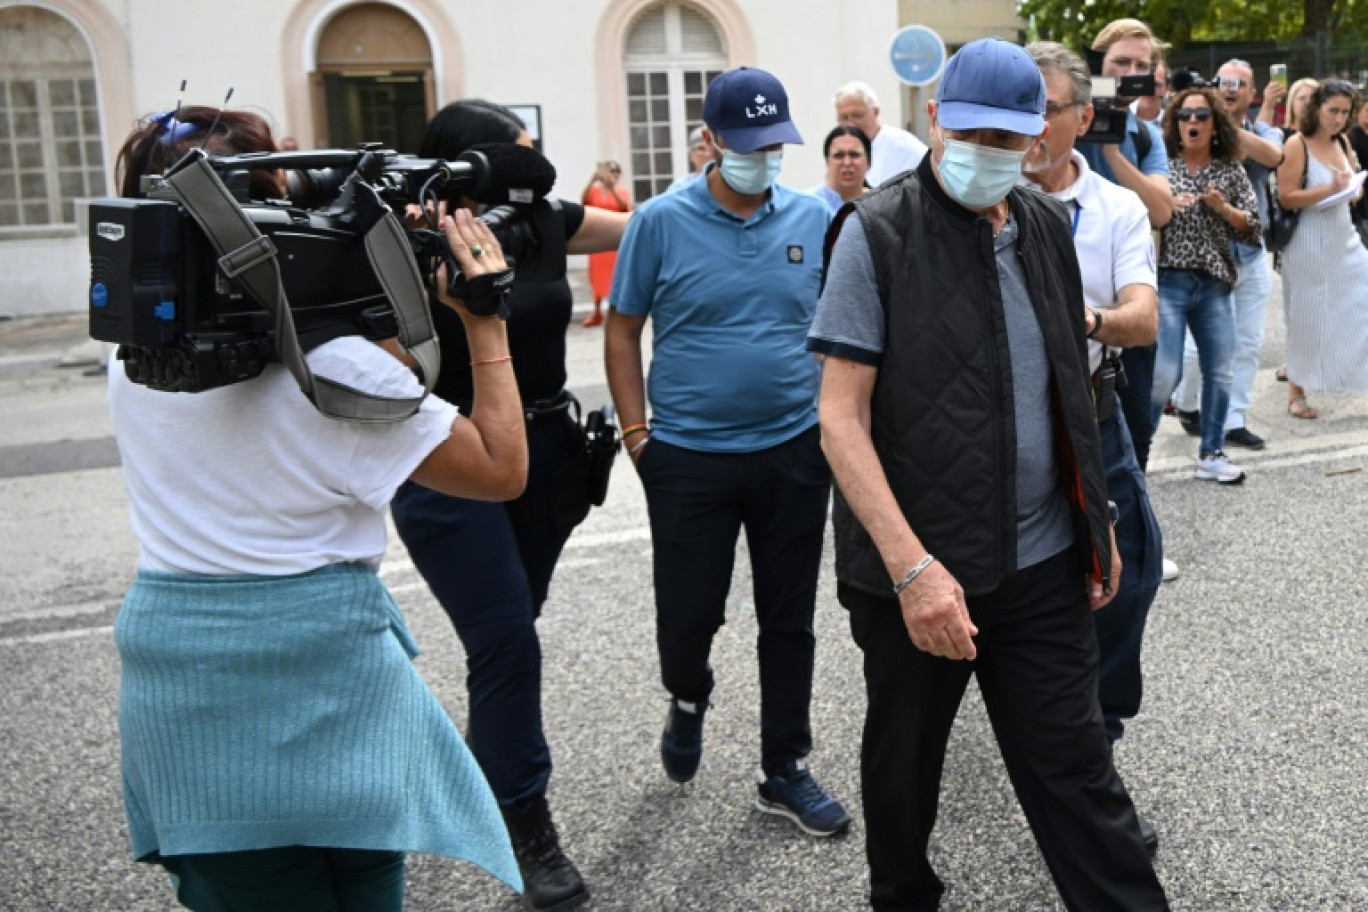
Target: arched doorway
[
  {"x": 373, "y": 81},
  {"x": 673, "y": 51},
  {"x": 51, "y": 153}
]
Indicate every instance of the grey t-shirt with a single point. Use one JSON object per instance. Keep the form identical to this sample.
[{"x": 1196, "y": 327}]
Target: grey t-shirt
[{"x": 850, "y": 324}]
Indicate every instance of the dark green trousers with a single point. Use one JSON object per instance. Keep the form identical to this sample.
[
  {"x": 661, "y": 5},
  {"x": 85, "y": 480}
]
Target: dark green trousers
[{"x": 290, "y": 879}]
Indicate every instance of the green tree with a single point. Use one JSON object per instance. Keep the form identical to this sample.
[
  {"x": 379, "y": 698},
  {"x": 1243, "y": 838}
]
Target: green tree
[{"x": 1180, "y": 22}]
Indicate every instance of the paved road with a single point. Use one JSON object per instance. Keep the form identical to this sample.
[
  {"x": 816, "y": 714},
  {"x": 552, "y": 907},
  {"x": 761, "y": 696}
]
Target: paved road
[{"x": 1251, "y": 754}]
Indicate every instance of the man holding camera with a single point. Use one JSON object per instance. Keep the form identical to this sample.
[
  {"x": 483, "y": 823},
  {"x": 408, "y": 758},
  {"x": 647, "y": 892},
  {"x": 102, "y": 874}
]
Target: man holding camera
[
  {"x": 1140, "y": 164},
  {"x": 1261, "y": 146},
  {"x": 728, "y": 269},
  {"x": 1116, "y": 259}
]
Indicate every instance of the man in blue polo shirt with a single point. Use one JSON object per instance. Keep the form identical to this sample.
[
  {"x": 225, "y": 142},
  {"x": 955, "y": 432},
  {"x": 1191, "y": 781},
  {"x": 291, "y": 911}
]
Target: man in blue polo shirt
[{"x": 728, "y": 269}]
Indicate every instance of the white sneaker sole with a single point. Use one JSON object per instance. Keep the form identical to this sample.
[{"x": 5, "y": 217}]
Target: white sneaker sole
[
  {"x": 1203, "y": 475},
  {"x": 781, "y": 810}
]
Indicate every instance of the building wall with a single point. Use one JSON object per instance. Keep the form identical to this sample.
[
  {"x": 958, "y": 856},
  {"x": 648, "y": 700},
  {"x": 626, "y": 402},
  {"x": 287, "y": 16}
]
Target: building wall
[{"x": 546, "y": 52}]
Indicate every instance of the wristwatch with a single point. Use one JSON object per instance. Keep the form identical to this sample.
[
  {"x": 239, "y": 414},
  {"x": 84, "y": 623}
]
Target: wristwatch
[{"x": 1097, "y": 322}]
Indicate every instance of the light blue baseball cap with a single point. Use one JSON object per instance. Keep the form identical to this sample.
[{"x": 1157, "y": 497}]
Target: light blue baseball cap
[{"x": 991, "y": 84}]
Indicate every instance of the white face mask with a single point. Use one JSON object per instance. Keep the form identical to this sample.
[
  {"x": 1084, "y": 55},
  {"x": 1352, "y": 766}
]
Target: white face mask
[{"x": 751, "y": 173}]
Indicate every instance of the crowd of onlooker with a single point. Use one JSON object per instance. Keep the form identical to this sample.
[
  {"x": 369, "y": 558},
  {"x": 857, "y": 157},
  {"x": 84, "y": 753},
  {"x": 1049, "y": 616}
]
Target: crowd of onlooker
[{"x": 970, "y": 340}]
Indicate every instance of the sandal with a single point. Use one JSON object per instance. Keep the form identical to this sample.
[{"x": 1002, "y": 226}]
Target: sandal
[
  {"x": 1300, "y": 408},
  {"x": 1281, "y": 374}
]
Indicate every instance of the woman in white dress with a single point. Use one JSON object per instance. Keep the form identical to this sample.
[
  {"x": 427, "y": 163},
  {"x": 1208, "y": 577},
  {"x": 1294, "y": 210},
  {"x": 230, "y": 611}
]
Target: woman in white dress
[{"x": 1325, "y": 266}]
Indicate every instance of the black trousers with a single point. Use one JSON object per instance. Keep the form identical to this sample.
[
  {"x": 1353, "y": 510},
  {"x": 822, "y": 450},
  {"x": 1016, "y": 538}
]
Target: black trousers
[
  {"x": 698, "y": 503},
  {"x": 1037, "y": 671}
]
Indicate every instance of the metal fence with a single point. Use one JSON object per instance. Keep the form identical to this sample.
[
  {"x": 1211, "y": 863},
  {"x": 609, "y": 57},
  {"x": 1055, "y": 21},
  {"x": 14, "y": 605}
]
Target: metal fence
[{"x": 1320, "y": 58}]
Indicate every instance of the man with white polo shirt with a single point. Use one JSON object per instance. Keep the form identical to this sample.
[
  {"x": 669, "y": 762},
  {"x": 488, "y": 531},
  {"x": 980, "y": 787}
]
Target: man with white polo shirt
[
  {"x": 728, "y": 269},
  {"x": 892, "y": 150},
  {"x": 1111, "y": 233}
]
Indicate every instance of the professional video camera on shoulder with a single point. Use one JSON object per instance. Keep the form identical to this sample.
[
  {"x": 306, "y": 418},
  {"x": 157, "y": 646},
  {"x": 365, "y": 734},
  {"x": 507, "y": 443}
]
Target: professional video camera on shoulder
[
  {"x": 1111, "y": 98},
  {"x": 177, "y": 278}
]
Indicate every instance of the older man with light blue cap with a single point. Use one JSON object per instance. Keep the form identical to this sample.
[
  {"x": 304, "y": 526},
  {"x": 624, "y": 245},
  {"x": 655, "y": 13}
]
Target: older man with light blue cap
[{"x": 973, "y": 532}]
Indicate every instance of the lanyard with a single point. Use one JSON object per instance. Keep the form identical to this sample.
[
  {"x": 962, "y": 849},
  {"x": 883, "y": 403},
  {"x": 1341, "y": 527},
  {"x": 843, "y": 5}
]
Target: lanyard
[{"x": 1077, "y": 211}]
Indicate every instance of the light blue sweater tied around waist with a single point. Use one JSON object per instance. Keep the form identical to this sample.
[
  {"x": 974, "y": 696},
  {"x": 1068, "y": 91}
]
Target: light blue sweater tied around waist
[{"x": 257, "y": 712}]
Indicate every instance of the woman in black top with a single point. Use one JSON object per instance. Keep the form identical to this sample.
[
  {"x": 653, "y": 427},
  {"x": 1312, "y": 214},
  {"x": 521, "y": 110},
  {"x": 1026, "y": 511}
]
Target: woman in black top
[{"x": 490, "y": 565}]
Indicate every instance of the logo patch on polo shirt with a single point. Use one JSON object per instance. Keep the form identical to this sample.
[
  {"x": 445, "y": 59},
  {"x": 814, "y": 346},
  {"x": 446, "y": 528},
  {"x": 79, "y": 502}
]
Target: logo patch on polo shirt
[{"x": 795, "y": 253}]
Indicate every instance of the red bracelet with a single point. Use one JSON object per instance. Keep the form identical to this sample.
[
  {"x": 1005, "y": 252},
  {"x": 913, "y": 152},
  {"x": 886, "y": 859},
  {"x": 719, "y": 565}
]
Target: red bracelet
[{"x": 491, "y": 361}]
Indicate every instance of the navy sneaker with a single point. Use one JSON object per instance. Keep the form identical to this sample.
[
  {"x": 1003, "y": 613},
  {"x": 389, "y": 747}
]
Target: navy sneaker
[
  {"x": 794, "y": 794},
  {"x": 681, "y": 745}
]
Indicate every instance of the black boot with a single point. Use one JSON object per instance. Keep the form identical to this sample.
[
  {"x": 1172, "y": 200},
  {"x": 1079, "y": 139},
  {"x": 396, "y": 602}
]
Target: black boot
[{"x": 550, "y": 881}]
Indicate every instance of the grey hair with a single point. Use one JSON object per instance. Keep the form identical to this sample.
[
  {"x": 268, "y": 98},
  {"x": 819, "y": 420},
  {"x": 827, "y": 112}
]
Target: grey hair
[
  {"x": 860, "y": 90},
  {"x": 1237, "y": 62},
  {"x": 1053, "y": 57}
]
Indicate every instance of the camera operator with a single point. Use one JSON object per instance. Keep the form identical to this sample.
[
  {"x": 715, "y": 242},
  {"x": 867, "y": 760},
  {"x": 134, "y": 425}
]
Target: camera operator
[
  {"x": 1129, "y": 48},
  {"x": 490, "y": 565},
  {"x": 280, "y": 751}
]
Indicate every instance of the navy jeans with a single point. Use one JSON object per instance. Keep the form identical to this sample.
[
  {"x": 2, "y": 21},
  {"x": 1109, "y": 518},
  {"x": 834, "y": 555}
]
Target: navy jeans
[
  {"x": 491, "y": 576},
  {"x": 1135, "y": 399},
  {"x": 1121, "y": 624},
  {"x": 698, "y": 504},
  {"x": 1196, "y": 301}
]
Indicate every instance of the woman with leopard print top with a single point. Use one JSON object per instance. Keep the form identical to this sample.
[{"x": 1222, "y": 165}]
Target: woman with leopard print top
[{"x": 1214, "y": 204}]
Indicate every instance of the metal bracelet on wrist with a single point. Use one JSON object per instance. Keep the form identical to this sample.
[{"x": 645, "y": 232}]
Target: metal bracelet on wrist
[{"x": 912, "y": 574}]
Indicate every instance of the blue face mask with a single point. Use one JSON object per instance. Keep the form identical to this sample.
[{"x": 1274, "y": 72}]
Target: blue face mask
[
  {"x": 751, "y": 173},
  {"x": 979, "y": 176}
]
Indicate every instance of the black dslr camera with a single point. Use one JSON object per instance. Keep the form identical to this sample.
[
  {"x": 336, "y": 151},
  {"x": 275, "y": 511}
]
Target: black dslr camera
[
  {"x": 1111, "y": 98},
  {"x": 1184, "y": 79},
  {"x": 183, "y": 321}
]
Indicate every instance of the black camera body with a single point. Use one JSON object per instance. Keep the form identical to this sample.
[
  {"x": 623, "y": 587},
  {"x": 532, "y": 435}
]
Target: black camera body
[
  {"x": 1186, "y": 78},
  {"x": 1111, "y": 97},
  {"x": 183, "y": 324}
]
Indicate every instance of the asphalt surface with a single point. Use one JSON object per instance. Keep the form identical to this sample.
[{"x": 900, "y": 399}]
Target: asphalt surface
[{"x": 1250, "y": 755}]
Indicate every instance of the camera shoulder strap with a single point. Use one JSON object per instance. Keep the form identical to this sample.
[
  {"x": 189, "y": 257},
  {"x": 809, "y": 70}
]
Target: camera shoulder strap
[{"x": 249, "y": 258}]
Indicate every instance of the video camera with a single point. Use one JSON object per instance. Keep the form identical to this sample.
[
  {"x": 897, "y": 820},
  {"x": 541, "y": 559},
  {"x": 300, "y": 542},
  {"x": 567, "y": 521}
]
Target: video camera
[
  {"x": 1111, "y": 97},
  {"x": 186, "y": 322}
]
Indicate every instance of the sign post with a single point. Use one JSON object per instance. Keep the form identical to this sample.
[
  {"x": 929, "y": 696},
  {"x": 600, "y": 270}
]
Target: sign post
[{"x": 917, "y": 54}]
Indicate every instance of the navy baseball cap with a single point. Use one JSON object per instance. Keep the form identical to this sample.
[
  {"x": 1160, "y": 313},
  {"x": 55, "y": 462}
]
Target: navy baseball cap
[
  {"x": 749, "y": 109},
  {"x": 991, "y": 84}
]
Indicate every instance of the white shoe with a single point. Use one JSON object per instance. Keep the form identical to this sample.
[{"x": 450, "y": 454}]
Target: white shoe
[
  {"x": 1216, "y": 467},
  {"x": 1170, "y": 571}
]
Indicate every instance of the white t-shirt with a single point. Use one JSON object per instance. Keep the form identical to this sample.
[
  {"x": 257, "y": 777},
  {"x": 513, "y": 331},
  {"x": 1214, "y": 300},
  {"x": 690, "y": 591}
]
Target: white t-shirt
[
  {"x": 1112, "y": 237},
  {"x": 892, "y": 152},
  {"x": 252, "y": 479}
]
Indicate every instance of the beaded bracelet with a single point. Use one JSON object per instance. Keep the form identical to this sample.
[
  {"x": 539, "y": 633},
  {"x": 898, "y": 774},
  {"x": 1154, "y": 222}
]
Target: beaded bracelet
[{"x": 636, "y": 447}]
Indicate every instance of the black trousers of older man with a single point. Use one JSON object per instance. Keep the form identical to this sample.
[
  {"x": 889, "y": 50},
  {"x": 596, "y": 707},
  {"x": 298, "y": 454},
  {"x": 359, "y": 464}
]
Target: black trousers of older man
[{"x": 1037, "y": 672}]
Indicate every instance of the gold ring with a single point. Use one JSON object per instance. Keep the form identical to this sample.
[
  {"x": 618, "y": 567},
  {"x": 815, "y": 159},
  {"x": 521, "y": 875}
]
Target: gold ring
[{"x": 476, "y": 250}]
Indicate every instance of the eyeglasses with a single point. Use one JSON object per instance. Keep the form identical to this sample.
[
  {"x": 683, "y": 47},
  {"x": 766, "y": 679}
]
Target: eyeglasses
[
  {"x": 1054, "y": 108},
  {"x": 1201, "y": 114},
  {"x": 1231, "y": 83}
]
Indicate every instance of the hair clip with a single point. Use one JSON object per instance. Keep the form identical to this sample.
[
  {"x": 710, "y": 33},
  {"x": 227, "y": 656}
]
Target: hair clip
[{"x": 173, "y": 130}]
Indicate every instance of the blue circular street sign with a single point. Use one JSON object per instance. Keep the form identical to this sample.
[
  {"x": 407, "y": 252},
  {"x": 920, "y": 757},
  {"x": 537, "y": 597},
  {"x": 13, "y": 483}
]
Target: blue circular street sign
[{"x": 917, "y": 55}]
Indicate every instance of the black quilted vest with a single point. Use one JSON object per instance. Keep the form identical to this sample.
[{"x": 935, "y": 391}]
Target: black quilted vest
[{"x": 942, "y": 415}]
